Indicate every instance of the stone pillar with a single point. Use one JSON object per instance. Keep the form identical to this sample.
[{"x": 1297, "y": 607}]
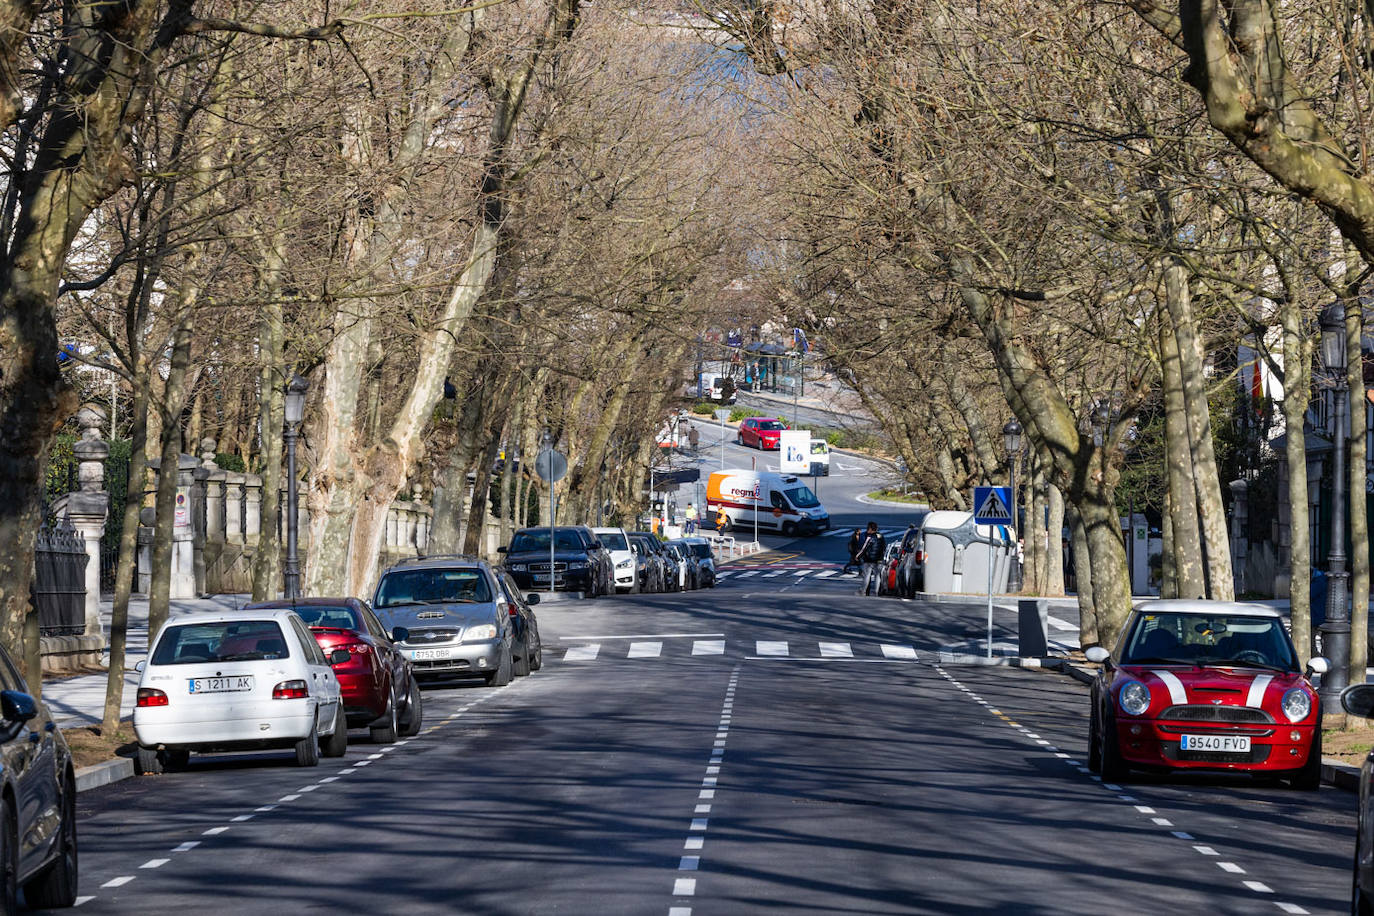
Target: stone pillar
[
  {"x": 252, "y": 508},
  {"x": 89, "y": 506},
  {"x": 1240, "y": 533},
  {"x": 184, "y": 583},
  {"x": 233, "y": 507},
  {"x": 422, "y": 533},
  {"x": 391, "y": 540}
]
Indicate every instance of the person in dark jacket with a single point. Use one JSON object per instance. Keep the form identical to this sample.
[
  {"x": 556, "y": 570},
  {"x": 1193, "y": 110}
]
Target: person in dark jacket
[
  {"x": 871, "y": 555},
  {"x": 855, "y": 540}
]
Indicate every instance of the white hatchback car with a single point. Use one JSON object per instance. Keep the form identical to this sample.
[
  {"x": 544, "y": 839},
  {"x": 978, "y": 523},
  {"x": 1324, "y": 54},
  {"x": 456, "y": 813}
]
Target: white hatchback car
[
  {"x": 626, "y": 573},
  {"x": 237, "y": 681}
]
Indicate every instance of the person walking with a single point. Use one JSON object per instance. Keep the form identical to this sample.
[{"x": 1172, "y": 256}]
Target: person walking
[
  {"x": 691, "y": 519},
  {"x": 722, "y": 520},
  {"x": 871, "y": 554},
  {"x": 855, "y": 540},
  {"x": 693, "y": 437}
]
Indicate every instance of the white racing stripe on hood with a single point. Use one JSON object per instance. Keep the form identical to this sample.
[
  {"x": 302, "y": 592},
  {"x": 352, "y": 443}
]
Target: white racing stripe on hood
[
  {"x": 1177, "y": 695},
  {"x": 1255, "y": 697}
]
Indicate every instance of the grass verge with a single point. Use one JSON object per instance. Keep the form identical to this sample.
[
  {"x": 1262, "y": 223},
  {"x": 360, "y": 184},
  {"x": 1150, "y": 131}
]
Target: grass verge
[{"x": 89, "y": 746}]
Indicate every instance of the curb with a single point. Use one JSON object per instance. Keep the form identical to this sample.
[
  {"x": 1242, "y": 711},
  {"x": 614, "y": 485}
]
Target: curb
[
  {"x": 1001, "y": 661},
  {"x": 104, "y": 774},
  {"x": 870, "y": 501}
]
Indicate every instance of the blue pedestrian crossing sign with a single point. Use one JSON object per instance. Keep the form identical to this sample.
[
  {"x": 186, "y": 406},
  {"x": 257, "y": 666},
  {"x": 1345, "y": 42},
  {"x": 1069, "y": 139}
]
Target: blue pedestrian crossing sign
[{"x": 992, "y": 506}]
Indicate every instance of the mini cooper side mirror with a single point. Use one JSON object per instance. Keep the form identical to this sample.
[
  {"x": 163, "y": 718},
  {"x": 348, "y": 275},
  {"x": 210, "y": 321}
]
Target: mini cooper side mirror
[
  {"x": 1358, "y": 700},
  {"x": 1318, "y": 665},
  {"x": 1097, "y": 655}
]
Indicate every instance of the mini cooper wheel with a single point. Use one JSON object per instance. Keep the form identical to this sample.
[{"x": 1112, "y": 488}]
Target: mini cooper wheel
[
  {"x": 1309, "y": 777},
  {"x": 1109, "y": 761},
  {"x": 1094, "y": 738}
]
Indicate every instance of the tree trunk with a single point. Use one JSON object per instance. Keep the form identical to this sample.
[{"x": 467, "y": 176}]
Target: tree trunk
[
  {"x": 475, "y": 541},
  {"x": 1186, "y": 560},
  {"x": 1206, "y": 481},
  {"x": 983, "y": 447},
  {"x": 169, "y": 468},
  {"x": 1359, "y": 491},
  {"x": 1297, "y": 382},
  {"x": 1054, "y": 568},
  {"x": 1168, "y": 565},
  {"x": 272, "y": 386},
  {"x": 1035, "y": 529},
  {"x": 128, "y": 556},
  {"x": 1083, "y": 573},
  {"x": 1107, "y": 556}
]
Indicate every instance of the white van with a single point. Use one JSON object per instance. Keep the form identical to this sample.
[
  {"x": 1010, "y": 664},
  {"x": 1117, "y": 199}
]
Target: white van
[{"x": 785, "y": 504}]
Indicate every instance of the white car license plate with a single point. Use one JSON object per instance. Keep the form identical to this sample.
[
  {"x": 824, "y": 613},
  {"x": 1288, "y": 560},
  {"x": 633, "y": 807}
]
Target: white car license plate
[
  {"x": 420, "y": 655},
  {"x": 233, "y": 684},
  {"x": 1221, "y": 744}
]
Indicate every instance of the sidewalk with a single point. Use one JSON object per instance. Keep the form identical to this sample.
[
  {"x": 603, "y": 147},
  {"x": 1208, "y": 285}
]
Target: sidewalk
[{"x": 80, "y": 699}]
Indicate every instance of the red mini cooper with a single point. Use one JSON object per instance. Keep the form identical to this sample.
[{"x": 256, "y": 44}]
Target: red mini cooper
[{"x": 1205, "y": 685}]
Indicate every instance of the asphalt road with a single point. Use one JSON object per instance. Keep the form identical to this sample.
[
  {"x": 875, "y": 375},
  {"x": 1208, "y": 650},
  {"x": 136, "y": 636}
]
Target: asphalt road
[{"x": 758, "y": 748}]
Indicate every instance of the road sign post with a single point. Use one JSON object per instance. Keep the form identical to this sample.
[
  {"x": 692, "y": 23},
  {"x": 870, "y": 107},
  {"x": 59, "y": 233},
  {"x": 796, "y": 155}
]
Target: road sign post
[
  {"x": 991, "y": 506},
  {"x": 551, "y": 467},
  {"x": 722, "y": 415}
]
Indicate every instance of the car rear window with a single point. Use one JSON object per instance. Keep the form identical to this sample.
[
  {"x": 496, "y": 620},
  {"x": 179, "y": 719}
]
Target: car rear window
[
  {"x": 465, "y": 585},
  {"x": 343, "y": 618},
  {"x": 613, "y": 540},
  {"x": 226, "y": 641}
]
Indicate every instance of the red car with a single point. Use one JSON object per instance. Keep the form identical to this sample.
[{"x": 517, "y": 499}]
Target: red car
[
  {"x": 1205, "y": 685},
  {"x": 760, "y": 432},
  {"x": 379, "y": 690}
]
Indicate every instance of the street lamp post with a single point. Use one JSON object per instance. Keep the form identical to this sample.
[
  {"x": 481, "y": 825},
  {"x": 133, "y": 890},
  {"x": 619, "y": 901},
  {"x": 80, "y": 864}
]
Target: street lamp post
[
  {"x": 1011, "y": 438},
  {"x": 546, "y": 440},
  {"x": 296, "y": 391},
  {"x": 1336, "y": 629}
]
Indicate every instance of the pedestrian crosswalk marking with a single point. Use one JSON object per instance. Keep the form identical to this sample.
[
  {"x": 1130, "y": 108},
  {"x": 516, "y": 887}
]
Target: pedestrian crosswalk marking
[
  {"x": 582, "y": 653},
  {"x": 888, "y": 533},
  {"x": 802, "y": 572},
  {"x": 774, "y": 575},
  {"x": 763, "y": 648},
  {"x": 708, "y": 647},
  {"x": 826, "y": 573},
  {"x": 748, "y": 573},
  {"x": 906, "y": 652},
  {"x": 836, "y": 650},
  {"x": 645, "y": 649},
  {"x": 766, "y": 647}
]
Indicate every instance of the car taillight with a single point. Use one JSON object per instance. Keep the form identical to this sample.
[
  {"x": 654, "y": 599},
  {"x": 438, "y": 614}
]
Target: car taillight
[
  {"x": 151, "y": 696},
  {"x": 358, "y": 648},
  {"x": 290, "y": 690},
  {"x": 920, "y": 557}
]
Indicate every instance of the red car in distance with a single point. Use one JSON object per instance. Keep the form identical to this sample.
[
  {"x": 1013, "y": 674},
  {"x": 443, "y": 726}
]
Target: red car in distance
[
  {"x": 761, "y": 432},
  {"x": 1205, "y": 685},
  {"x": 379, "y": 689}
]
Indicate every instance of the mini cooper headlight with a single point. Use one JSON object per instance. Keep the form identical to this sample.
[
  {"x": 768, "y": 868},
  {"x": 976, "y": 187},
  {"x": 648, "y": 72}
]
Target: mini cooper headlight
[
  {"x": 1297, "y": 704},
  {"x": 1134, "y": 698},
  {"x": 485, "y": 631}
]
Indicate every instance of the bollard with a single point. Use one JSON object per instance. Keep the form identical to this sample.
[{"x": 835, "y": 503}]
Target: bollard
[{"x": 1032, "y": 626}]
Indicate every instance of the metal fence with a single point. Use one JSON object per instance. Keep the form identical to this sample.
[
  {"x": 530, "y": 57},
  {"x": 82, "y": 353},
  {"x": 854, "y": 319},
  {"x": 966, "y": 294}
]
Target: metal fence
[{"x": 59, "y": 582}]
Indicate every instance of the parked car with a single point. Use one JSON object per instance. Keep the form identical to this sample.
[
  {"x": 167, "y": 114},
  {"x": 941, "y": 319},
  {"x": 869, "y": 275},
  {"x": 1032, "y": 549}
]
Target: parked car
[
  {"x": 1205, "y": 685},
  {"x": 699, "y": 549},
  {"x": 38, "y": 846},
  {"x": 1358, "y": 700},
  {"x": 380, "y": 691},
  {"x": 236, "y": 681},
  {"x": 455, "y": 617},
  {"x": 686, "y": 575},
  {"x": 910, "y": 565},
  {"x": 760, "y": 432},
  {"x": 526, "y": 647},
  {"x": 580, "y": 563},
  {"x": 887, "y": 572},
  {"x": 657, "y": 568},
  {"x": 622, "y": 558}
]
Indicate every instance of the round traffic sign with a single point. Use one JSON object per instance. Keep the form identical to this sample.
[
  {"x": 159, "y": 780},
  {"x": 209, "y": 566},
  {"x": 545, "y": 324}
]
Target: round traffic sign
[{"x": 551, "y": 466}]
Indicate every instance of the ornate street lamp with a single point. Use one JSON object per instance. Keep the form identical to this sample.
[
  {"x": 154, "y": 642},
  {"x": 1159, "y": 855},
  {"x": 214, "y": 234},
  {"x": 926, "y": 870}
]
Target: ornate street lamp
[
  {"x": 296, "y": 391},
  {"x": 1011, "y": 439},
  {"x": 1336, "y": 629}
]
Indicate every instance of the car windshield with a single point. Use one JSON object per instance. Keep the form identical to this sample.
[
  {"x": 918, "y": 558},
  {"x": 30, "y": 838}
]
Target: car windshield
[
  {"x": 613, "y": 540},
  {"x": 227, "y": 641},
  {"x": 342, "y": 618},
  {"x": 701, "y": 550},
  {"x": 802, "y": 497},
  {"x": 465, "y": 585},
  {"x": 538, "y": 539},
  {"x": 1210, "y": 639},
  {"x": 771, "y": 425}
]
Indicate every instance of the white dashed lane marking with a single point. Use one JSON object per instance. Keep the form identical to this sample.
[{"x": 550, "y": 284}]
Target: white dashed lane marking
[
  {"x": 708, "y": 647},
  {"x": 770, "y": 648},
  {"x": 836, "y": 650},
  {"x": 582, "y": 653},
  {"x": 645, "y": 649}
]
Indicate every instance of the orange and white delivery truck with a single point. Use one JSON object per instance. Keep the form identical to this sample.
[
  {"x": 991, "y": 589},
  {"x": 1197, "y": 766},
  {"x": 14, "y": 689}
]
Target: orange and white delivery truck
[{"x": 785, "y": 504}]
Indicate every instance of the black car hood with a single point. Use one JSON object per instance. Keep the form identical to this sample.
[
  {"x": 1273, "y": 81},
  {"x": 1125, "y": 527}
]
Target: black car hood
[{"x": 536, "y": 556}]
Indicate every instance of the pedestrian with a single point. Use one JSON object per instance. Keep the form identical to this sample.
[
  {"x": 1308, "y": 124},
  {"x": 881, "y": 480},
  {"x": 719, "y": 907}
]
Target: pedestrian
[
  {"x": 855, "y": 540},
  {"x": 691, "y": 518},
  {"x": 722, "y": 520},
  {"x": 871, "y": 554},
  {"x": 693, "y": 437}
]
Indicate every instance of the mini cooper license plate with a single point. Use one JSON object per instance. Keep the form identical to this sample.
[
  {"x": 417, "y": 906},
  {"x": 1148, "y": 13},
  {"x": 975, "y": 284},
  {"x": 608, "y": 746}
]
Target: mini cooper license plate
[
  {"x": 1217, "y": 744},
  {"x": 233, "y": 684},
  {"x": 421, "y": 655}
]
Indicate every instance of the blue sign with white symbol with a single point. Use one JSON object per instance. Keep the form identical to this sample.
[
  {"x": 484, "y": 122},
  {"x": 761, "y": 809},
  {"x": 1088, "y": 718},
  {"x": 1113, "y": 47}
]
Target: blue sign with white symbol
[{"x": 992, "y": 506}]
